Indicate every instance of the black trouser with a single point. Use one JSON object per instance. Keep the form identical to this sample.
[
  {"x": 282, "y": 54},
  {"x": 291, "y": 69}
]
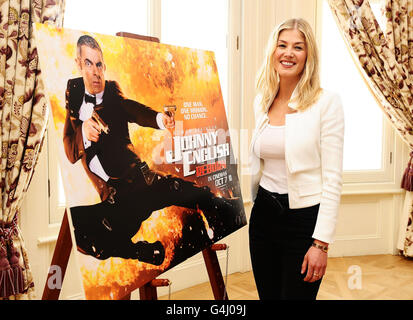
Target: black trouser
[
  {"x": 105, "y": 229},
  {"x": 279, "y": 240}
]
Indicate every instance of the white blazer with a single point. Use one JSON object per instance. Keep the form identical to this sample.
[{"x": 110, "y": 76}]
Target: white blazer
[{"x": 314, "y": 158}]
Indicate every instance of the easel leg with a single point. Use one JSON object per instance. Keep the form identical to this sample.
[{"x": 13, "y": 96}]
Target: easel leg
[
  {"x": 148, "y": 290},
  {"x": 214, "y": 273},
  {"x": 60, "y": 259}
]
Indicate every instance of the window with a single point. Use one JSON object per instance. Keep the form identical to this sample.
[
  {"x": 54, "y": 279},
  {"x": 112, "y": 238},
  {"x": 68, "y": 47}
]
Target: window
[
  {"x": 188, "y": 23},
  {"x": 367, "y": 134},
  {"x": 107, "y": 17}
]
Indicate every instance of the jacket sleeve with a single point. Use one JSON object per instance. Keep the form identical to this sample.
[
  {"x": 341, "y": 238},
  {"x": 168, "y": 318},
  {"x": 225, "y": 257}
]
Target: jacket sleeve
[
  {"x": 72, "y": 133},
  {"x": 331, "y": 147},
  {"x": 135, "y": 111}
]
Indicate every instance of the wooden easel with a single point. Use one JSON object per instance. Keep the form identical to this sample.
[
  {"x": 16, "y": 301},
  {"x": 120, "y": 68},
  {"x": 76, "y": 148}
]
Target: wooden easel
[{"x": 148, "y": 291}]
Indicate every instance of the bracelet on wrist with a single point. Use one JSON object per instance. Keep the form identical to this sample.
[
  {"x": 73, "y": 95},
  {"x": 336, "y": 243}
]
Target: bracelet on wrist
[{"x": 321, "y": 247}]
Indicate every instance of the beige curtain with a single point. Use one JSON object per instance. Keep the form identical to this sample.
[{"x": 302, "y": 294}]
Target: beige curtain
[
  {"x": 23, "y": 118},
  {"x": 387, "y": 62}
]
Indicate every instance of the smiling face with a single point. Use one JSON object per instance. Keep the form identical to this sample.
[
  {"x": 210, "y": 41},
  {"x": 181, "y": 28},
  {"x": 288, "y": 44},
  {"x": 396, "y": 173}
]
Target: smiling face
[
  {"x": 92, "y": 68},
  {"x": 290, "y": 54}
]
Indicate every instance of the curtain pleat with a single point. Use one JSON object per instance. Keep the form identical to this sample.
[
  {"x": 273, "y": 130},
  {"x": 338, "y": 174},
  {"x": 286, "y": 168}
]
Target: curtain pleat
[{"x": 24, "y": 117}]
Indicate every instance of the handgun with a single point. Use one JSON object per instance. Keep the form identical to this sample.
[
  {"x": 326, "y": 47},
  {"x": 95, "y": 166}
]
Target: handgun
[
  {"x": 169, "y": 110},
  {"x": 102, "y": 124}
]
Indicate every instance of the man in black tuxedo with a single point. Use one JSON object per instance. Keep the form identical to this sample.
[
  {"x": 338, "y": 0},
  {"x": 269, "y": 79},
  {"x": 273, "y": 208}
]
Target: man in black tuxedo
[{"x": 96, "y": 132}]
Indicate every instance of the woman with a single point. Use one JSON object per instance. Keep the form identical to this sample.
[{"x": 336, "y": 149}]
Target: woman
[{"x": 296, "y": 151}]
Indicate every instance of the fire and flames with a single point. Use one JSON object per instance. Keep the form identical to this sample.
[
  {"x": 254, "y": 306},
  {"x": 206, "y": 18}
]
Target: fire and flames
[{"x": 114, "y": 277}]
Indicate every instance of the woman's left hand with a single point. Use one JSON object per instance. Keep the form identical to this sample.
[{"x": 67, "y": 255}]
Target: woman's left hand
[{"x": 315, "y": 262}]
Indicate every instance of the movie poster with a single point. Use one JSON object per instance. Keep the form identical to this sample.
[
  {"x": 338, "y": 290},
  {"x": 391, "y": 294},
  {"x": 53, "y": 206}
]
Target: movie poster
[{"x": 144, "y": 151}]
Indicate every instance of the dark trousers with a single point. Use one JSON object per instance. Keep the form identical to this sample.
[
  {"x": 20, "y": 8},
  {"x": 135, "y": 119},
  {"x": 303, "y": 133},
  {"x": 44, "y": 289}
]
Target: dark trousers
[
  {"x": 279, "y": 239},
  {"x": 105, "y": 229}
]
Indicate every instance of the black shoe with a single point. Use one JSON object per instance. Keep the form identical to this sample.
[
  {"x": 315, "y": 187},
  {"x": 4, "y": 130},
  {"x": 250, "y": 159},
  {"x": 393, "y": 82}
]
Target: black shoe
[{"x": 153, "y": 253}]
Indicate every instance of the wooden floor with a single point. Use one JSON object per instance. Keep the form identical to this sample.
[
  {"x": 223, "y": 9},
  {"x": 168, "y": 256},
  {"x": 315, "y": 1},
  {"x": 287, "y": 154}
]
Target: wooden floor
[{"x": 382, "y": 277}]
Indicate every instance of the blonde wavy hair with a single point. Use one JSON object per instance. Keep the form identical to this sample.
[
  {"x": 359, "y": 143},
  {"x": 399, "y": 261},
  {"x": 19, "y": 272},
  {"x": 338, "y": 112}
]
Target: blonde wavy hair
[{"x": 308, "y": 88}]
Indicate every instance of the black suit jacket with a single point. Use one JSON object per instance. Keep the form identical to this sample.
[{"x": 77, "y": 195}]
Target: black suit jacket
[{"x": 114, "y": 149}]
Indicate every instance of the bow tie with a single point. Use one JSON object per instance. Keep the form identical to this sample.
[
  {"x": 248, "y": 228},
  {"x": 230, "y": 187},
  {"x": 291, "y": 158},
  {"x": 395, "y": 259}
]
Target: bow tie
[{"x": 90, "y": 99}]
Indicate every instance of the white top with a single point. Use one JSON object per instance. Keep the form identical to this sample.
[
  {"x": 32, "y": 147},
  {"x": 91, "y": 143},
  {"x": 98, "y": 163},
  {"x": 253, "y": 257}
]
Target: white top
[{"x": 270, "y": 146}]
